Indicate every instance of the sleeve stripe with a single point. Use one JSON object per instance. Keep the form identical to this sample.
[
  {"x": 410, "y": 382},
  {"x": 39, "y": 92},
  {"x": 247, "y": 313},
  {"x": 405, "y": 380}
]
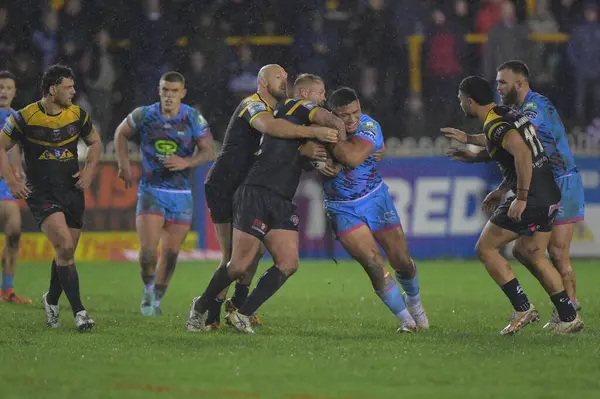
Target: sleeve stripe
[
  {"x": 255, "y": 115},
  {"x": 492, "y": 128},
  {"x": 312, "y": 113},
  {"x": 295, "y": 107}
]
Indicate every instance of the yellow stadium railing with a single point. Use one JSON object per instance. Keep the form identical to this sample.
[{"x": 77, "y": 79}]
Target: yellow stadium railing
[{"x": 415, "y": 44}]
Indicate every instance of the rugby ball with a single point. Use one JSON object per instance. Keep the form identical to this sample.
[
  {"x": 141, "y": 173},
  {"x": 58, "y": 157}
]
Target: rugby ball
[{"x": 320, "y": 165}]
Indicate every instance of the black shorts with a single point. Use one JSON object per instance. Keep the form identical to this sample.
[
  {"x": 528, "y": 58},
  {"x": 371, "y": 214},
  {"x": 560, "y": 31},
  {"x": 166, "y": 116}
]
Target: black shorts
[
  {"x": 258, "y": 210},
  {"x": 533, "y": 219},
  {"x": 71, "y": 202},
  {"x": 219, "y": 201}
]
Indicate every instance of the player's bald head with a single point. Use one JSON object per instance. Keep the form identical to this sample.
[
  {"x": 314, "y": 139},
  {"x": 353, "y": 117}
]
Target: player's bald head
[
  {"x": 272, "y": 78},
  {"x": 269, "y": 71}
]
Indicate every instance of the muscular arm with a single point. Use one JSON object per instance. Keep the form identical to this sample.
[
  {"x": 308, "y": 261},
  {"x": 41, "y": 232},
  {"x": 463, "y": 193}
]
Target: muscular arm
[
  {"x": 267, "y": 124},
  {"x": 353, "y": 152},
  {"x": 123, "y": 134},
  {"x": 5, "y": 169},
  {"x": 17, "y": 161},
  {"x": 523, "y": 162},
  {"x": 476, "y": 139},
  {"x": 325, "y": 118},
  {"x": 94, "y": 150},
  {"x": 205, "y": 151}
]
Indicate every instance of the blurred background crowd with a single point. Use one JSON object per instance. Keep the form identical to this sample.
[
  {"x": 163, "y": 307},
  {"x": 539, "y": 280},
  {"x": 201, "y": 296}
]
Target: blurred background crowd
[{"x": 404, "y": 57}]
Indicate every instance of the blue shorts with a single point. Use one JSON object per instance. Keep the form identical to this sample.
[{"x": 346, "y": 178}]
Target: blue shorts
[
  {"x": 176, "y": 206},
  {"x": 376, "y": 211},
  {"x": 5, "y": 194},
  {"x": 572, "y": 202}
]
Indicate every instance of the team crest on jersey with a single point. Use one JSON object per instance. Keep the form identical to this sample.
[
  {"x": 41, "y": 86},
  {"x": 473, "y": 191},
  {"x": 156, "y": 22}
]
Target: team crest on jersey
[
  {"x": 530, "y": 114},
  {"x": 57, "y": 154},
  {"x": 295, "y": 220},
  {"x": 71, "y": 130},
  {"x": 166, "y": 147}
]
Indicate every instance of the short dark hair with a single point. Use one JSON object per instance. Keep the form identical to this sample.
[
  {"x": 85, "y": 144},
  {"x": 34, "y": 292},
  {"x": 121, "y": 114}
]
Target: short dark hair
[
  {"x": 477, "y": 89},
  {"x": 173, "y": 77},
  {"x": 5, "y": 74},
  {"x": 516, "y": 66},
  {"x": 342, "y": 97},
  {"x": 54, "y": 75}
]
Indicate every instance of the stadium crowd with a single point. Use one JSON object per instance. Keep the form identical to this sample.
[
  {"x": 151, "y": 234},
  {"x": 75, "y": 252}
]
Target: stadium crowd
[{"x": 118, "y": 50}]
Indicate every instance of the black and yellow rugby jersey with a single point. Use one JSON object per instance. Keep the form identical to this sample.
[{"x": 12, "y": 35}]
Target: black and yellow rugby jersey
[{"x": 49, "y": 143}]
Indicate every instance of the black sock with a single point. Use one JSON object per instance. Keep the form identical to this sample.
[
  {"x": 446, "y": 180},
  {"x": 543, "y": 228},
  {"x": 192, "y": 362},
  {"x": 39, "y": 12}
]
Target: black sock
[
  {"x": 516, "y": 295},
  {"x": 266, "y": 287},
  {"x": 240, "y": 294},
  {"x": 564, "y": 306},
  {"x": 69, "y": 280},
  {"x": 218, "y": 283},
  {"x": 159, "y": 292},
  {"x": 55, "y": 288},
  {"x": 214, "y": 311}
]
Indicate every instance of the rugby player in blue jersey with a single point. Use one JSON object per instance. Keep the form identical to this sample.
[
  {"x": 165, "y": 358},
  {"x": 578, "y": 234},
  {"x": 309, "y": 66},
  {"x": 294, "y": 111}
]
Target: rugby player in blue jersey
[
  {"x": 175, "y": 138},
  {"x": 9, "y": 208},
  {"x": 513, "y": 85},
  {"x": 363, "y": 213}
]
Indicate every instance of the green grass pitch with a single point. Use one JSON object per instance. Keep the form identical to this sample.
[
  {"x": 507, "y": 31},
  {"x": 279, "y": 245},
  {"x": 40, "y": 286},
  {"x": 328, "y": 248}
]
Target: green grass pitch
[{"x": 326, "y": 336}]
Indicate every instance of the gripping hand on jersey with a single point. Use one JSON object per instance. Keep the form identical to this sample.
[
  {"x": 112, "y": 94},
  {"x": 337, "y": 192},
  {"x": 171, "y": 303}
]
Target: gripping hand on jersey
[
  {"x": 312, "y": 149},
  {"x": 175, "y": 163},
  {"x": 325, "y": 134}
]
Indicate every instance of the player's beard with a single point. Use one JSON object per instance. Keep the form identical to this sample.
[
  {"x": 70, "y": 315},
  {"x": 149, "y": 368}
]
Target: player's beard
[
  {"x": 511, "y": 97},
  {"x": 278, "y": 94}
]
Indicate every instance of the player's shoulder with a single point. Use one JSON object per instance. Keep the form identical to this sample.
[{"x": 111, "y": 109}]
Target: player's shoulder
[
  {"x": 294, "y": 103},
  {"x": 368, "y": 124},
  {"x": 28, "y": 111},
  {"x": 536, "y": 104}
]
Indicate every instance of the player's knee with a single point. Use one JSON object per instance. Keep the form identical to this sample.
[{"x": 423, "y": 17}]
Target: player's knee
[
  {"x": 65, "y": 252},
  {"x": 289, "y": 267},
  {"x": 404, "y": 266},
  {"x": 483, "y": 250},
  {"x": 147, "y": 256},
  {"x": 13, "y": 240},
  {"x": 558, "y": 253},
  {"x": 518, "y": 253}
]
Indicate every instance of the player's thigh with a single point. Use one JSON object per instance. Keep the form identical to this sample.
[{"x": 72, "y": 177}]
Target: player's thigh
[
  {"x": 283, "y": 246},
  {"x": 361, "y": 245},
  {"x": 492, "y": 238},
  {"x": 10, "y": 212},
  {"x": 219, "y": 201},
  {"x": 572, "y": 202},
  {"x": 74, "y": 207},
  {"x": 394, "y": 245},
  {"x": 245, "y": 246},
  {"x": 379, "y": 211},
  {"x": 150, "y": 218},
  {"x": 344, "y": 218},
  {"x": 58, "y": 233}
]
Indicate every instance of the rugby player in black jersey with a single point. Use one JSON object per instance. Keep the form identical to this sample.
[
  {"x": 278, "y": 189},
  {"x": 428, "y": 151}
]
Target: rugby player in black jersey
[
  {"x": 528, "y": 216},
  {"x": 48, "y": 131},
  {"x": 264, "y": 211},
  {"x": 252, "y": 118}
]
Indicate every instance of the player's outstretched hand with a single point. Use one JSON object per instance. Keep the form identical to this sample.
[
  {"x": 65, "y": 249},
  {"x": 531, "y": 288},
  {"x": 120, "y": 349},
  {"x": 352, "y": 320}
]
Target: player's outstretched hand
[
  {"x": 461, "y": 154},
  {"x": 18, "y": 188},
  {"x": 125, "y": 175},
  {"x": 331, "y": 170},
  {"x": 491, "y": 201},
  {"x": 84, "y": 178},
  {"x": 313, "y": 150},
  {"x": 455, "y": 134},
  {"x": 378, "y": 156},
  {"x": 516, "y": 209},
  {"x": 175, "y": 163},
  {"x": 325, "y": 134}
]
